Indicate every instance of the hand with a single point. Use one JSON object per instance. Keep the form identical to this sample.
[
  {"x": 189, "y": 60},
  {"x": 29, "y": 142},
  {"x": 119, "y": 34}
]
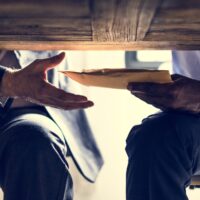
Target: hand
[
  {"x": 31, "y": 83},
  {"x": 183, "y": 94}
]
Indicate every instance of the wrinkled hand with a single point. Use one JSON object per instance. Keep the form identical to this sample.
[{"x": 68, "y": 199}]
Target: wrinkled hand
[
  {"x": 183, "y": 94},
  {"x": 31, "y": 83}
]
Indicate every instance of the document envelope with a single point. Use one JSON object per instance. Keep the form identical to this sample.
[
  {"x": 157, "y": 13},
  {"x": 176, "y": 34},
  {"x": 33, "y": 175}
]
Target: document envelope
[{"x": 118, "y": 78}]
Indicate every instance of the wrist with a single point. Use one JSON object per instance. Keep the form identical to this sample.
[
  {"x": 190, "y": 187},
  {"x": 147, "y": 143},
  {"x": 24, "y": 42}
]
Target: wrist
[{"x": 8, "y": 84}]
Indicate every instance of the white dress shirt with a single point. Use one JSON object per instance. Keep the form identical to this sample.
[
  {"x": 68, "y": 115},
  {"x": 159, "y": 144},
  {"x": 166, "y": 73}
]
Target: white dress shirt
[{"x": 187, "y": 63}]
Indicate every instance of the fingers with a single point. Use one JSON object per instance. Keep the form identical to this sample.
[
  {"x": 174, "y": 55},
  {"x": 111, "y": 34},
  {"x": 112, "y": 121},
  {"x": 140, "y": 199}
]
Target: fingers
[
  {"x": 53, "y": 102},
  {"x": 147, "y": 98},
  {"x": 52, "y": 91},
  {"x": 48, "y": 63},
  {"x": 157, "y": 101},
  {"x": 55, "y": 97},
  {"x": 59, "y": 104},
  {"x": 158, "y": 95},
  {"x": 150, "y": 88}
]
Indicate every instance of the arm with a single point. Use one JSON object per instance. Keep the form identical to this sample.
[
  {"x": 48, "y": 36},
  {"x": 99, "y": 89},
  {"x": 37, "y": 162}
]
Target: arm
[
  {"x": 181, "y": 95},
  {"x": 31, "y": 83}
]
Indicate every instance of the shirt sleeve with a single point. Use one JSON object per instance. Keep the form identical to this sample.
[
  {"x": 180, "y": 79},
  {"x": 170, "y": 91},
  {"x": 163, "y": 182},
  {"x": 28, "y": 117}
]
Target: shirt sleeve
[
  {"x": 187, "y": 63},
  {"x": 3, "y": 99}
]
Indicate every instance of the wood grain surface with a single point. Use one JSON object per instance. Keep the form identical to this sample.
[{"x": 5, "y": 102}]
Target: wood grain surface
[{"x": 95, "y": 24}]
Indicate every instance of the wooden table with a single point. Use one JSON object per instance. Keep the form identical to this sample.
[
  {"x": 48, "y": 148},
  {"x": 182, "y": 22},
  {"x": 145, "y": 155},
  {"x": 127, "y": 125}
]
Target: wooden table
[{"x": 99, "y": 24}]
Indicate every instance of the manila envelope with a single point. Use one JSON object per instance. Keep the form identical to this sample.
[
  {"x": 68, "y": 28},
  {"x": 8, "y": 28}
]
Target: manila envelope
[{"x": 118, "y": 78}]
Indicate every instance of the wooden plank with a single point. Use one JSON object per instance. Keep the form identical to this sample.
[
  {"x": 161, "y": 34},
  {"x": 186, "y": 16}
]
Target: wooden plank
[
  {"x": 74, "y": 45},
  {"x": 41, "y": 38},
  {"x": 146, "y": 16},
  {"x": 99, "y": 24},
  {"x": 74, "y": 28},
  {"x": 46, "y": 22},
  {"x": 177, "y": 28},
  {"x": 67, "y": 21},
  {"x": 115, "y": 20},
  {"x": 125, "y": 20},
  {"x": 172, "y": 36},
  {"x": 177, "y": 15},
  {"x": 180, "y": 3},
  {"x": 102, "y": 19},
  {"x": 173, "y": 24},
  {"x": 44, "y": 9}
]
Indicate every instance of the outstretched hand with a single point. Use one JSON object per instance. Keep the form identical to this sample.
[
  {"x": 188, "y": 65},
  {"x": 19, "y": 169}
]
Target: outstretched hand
[
  {"x": 31, "y": 83},
  {"x": 183, "y": 94}
]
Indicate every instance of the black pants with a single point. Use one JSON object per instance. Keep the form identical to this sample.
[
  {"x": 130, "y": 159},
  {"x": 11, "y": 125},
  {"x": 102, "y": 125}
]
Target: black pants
[
  {"x": 164, "y": 152},
  {"x": 33, "y": 162}
]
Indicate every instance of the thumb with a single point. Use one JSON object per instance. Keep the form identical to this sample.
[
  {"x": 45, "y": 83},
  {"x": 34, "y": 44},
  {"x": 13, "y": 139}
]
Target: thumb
[{"x": 49, "y": 63}]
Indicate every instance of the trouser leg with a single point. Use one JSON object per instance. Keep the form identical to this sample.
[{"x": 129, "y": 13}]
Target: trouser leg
[
  {"x": 162, "y": 154},
  {"x": 33, "y": 164}
]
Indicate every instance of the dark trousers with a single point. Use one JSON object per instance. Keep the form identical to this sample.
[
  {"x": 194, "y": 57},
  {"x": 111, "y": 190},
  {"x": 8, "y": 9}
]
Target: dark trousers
[
  {"x": 164, "y": 152},
  {"x": 33, "y": 162}
]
